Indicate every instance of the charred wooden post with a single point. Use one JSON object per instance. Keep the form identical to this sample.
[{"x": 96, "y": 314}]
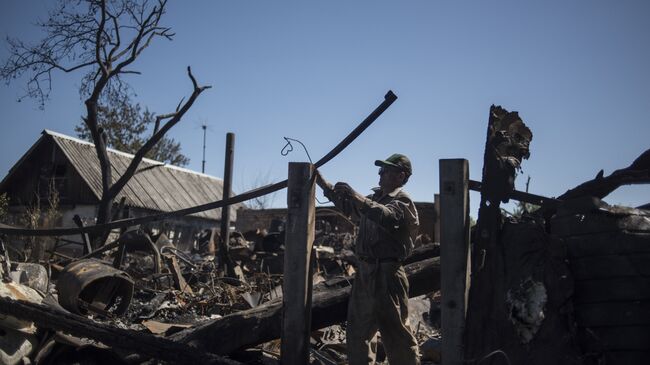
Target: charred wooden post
[
  {"x": 177, "y": 275},
  {"x": 454, "y": 259},
  {"x": 506, "y": 146},
  {"x": 224, "y": 259},
  {"x": 84, "y": 236},
  {"x": 297, "y": 299}
]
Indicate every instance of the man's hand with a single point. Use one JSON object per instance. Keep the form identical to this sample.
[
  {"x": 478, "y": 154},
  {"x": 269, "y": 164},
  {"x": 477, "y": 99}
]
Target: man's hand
[
  {"x": 340, "y": 192},
  {"x": 344, "y": 189}
]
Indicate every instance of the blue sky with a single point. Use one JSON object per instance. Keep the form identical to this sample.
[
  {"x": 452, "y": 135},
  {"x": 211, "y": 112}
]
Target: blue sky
[{"x": 577, "y": 72}]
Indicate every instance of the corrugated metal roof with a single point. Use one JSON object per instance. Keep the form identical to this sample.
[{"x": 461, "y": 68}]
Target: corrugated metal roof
[{"x": 155, "y": 185}]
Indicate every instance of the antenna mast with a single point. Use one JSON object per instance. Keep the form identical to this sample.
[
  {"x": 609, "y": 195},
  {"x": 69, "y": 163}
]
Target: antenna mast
[{"x": 203, "y": 164}]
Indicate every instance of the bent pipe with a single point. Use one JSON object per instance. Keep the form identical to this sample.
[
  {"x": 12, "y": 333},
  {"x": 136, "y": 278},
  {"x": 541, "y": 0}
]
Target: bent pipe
[{"x": 389, "y": 98}]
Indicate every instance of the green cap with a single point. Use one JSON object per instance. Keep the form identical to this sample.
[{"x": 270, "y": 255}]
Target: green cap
[{"x": 398, "y": 161}]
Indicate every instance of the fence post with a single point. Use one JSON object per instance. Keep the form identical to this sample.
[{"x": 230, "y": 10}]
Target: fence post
[
  {"x": 454, "y": 256},
  {"x": 296, "y": 300},
  {"x": 436, "y": 224},
  {"x": 224, "y": 258}
]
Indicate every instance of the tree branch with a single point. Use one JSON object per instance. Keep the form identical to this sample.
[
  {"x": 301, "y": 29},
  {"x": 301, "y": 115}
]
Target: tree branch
[
  {"x": 175, "y": 118},
  {"x": 98, "y": 39},
  {"x": 117, "y": 41},
  {"x": 149, "y": 24}
]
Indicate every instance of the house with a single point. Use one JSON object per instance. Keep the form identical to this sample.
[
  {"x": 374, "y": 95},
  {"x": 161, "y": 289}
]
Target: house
[{"x": 71, "y": 166}]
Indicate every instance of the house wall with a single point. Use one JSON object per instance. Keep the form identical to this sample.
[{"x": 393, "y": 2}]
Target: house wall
[
  {"x": 17, "y": 216},
  {"x": 47, "y": 165},
  {"x": 182, "y": 230}
]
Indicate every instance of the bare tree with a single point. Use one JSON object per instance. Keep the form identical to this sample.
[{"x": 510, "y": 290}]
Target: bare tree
[
  {"x": 104, "y": 38},
  {"x": 128, "y": 127}
]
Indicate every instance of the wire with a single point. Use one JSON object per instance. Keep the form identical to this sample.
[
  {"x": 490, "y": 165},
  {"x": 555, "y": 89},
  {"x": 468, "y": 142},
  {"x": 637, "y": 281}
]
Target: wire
[
  {"x": 289, "y": 148},
  {"x": 495, "y": 352}
]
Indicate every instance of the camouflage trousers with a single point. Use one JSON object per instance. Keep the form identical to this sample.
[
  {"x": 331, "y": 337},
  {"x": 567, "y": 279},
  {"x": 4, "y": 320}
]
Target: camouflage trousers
[{"x": 379, "y": 301}]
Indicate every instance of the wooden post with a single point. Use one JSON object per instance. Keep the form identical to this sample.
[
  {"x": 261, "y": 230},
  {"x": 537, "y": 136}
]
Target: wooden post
[
  {"x": 88, "y": 248},
  {"x": 296, "y": 301},
  {"x": 436, "y": 224},
  {"x": 118, "y": 261},
  {"x": 454, "y": 256},
  {"x": 224, "y": 258}
]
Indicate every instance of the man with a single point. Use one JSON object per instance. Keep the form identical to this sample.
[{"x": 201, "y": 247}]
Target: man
[{"x": 387, "y": 230}]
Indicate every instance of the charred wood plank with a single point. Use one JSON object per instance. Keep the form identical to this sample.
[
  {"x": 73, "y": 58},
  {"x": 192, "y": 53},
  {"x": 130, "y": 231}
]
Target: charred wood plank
[
  {"x": 419, "y": 254},
  {"x": 423, "y": 253},
  {"x": 179, "y": 280},
  {"x": 521, "y": 196},
  {"x": 157, "y": 347},
  {"x": 261, "y": 324}
]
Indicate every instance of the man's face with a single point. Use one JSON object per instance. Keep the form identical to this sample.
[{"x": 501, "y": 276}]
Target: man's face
[{"x": 390, "y": 178}]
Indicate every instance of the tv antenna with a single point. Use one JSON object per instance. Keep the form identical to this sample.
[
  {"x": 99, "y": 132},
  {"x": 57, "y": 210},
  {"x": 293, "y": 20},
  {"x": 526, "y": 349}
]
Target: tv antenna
[{"x": 204, "y": 127}]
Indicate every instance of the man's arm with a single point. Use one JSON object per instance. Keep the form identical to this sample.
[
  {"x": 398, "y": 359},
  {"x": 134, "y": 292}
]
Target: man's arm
[
  {"x": 391, "y": 215},
  {"x": 388, "y": 215},
  {"x": 341, "y": 200}
]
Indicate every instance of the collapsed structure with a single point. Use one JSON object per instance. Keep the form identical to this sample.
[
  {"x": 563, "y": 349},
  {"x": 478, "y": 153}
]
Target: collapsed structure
[{"x": 564, "y": 282}]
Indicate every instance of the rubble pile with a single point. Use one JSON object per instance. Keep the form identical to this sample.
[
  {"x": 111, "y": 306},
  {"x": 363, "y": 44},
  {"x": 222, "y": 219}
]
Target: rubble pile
[{"x": 143, "y": 284}]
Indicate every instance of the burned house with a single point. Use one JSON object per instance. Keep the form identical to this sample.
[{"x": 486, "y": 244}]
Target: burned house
[
  {"x": 70, "y": 168},
  {"x": 563, "y": 283}
]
